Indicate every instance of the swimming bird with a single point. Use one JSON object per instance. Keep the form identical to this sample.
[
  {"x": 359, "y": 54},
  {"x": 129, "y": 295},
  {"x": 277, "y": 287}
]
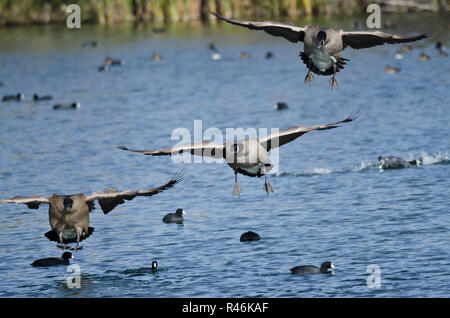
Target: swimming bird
[
  {"x": 392, "y": 162},
  {"x": 399, "y": 55},
  {"x": 89, "y": 44},
  {"x": 176, "y": 217},
  {"x": 215, "y": 52},
  {"x": 281, "y": 106},
  {"x": 69, "y": 214},
  {"x": 423, "y": 57},
  {"x": 119, "y": 62},
  {"x": 406, "y": 48},
  {"x": 17, "y": 97},
  {"x": 212, "y": 46},
  {"x": 37, "y": 98},
  {"x": 111, "y": 61},
  {"x": 159, "y": 30},
  {"x": 249, "y": 236},
  {"x": 216, "y": 56},
  {"x": 440, "y": 48},
  {"x": 53, "y": 261},
  {"x": 108, "y": 60},
  {"x": 245, "y": 56},
  {"x": 156, "y": 57},
  {"x": 248, "y": 157},
  {"x": 269, "y": 55},
  {"x": 311, "y": 269},
  {"x": 103, "y": 68},
  {"x": 391, "y": 70},
  {"x": 323, "y": 46},
  {"x": 67, "y": 106}
]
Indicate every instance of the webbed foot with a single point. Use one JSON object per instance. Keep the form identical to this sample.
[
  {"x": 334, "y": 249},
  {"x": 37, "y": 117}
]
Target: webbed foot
[
  {"x": 267, "y": 187},
  {"x": 237, "y": 190},
  {"x": 333, "y": 83},
  {"x": 309, "y": 77}
]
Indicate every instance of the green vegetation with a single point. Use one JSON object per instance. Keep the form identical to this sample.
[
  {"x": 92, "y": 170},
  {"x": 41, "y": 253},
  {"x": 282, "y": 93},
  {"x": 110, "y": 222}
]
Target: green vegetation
[{"x": 17, "y": 12}]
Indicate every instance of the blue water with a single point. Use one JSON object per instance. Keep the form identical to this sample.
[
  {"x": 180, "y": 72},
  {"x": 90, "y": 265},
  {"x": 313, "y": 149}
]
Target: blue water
[{"x": 330, "y": 200}]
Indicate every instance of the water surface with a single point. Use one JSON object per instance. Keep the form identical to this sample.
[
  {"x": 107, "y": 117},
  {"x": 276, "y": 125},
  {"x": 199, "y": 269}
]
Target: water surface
[{"x": 330, "y": 200}]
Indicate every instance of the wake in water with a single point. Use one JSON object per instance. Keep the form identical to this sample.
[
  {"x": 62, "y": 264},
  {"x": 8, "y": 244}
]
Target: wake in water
[{"x": 423, "y": 160}]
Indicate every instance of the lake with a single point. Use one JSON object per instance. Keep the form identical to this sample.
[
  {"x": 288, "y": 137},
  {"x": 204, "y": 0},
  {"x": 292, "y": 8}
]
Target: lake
[{"x": 331, "y": 202}]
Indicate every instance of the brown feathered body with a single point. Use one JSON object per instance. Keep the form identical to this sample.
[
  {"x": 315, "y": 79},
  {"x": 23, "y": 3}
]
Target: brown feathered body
[{"x": 69, "y": 222}]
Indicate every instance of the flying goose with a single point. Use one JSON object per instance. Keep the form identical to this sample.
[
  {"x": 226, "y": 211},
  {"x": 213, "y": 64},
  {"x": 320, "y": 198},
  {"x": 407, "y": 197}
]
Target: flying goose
[
  {"x": 323, "y": 46},
  {"x": 248, "y": 157},
  {"x": 69, "y": 214}
]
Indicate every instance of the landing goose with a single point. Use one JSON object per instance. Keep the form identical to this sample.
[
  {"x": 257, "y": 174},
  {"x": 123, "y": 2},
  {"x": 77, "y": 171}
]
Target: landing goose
[
  {"x": 69, "y": 214},
  {"x": 323, "y": 46},
  {"x": 248, "y": 157}
]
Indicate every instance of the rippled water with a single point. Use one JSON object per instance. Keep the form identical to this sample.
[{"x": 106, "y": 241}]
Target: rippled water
[{"x": 330, "y": 201}]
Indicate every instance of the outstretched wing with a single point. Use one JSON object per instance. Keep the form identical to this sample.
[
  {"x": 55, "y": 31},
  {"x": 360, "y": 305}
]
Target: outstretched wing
[
  {"x": 205, "y": 148},
  {"x": 365, "y": 39},
  {"x": 287, "y": 31},
  {"x": 111, "y": 198},
  {"x": 32, "y": 202},
  {"x": 284, "y": 136}
]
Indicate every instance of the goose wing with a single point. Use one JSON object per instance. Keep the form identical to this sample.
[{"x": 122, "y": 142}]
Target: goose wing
[
  {"x": 288, "y": 31},
  {"x": 205, "y": 148},
  {"x": 111, "y": 198},
  {"x": 282, "y": 137},
  {"x": 365, "y": 39},
  {"x": 32, "y": 202}
]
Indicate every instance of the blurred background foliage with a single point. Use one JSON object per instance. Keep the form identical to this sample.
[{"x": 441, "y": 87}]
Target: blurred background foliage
[{"x": 19, "y": 12}]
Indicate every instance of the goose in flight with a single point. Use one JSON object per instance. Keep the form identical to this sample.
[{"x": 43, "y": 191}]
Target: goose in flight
[
  {"x": 248, "y": 157},
  {"x": 69, "y": 214},
  {"x": 323, "y": 46}
]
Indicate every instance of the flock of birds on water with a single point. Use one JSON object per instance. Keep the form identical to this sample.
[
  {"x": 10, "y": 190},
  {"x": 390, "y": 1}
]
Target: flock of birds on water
[{"x": 322, "y": 55}]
